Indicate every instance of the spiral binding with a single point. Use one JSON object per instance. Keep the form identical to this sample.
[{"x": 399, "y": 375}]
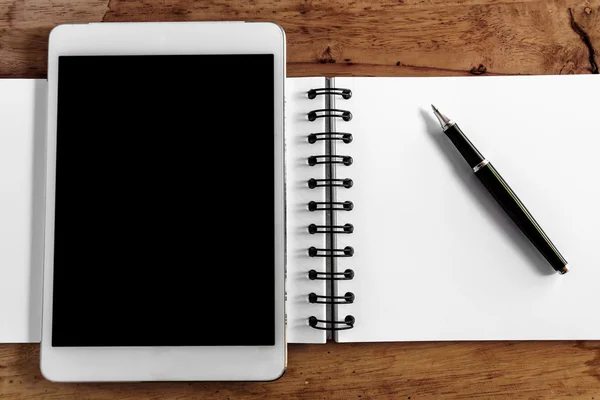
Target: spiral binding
[
  {"x": 348, "y": 298},
  {"x": 329, "y": 113},
  {"x": 343, "y": 136},
  {"x": 330, "y": 206},
  {"x": 347, "y": 275},
  {"x": 347, "y": 323},
  {"x": 345, "y": 183},
  {"x": 345, "y": 93},
  {"x": 329, "y": 159},
  {"x": 347, "y": 251},
  {"x": 346, "y": 228}
]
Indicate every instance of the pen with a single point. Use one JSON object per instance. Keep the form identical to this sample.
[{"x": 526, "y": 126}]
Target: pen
[{"x": 499, "y": 189}]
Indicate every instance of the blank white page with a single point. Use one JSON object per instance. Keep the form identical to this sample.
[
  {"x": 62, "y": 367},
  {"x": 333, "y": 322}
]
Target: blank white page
[
  {"x": 22, "y": 166},
  {"x": 436, "y": 258},
  {"x": 298, "y": 195}
]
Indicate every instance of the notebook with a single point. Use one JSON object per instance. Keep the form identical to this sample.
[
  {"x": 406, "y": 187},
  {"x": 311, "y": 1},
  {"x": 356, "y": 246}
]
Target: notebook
[
  {"x": 427, "y": 253},
  {"x": 434, "y": 257},
  {"x": 22, "y": 134}
]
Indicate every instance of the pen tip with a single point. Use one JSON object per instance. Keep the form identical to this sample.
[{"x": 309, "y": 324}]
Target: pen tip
[{"x": 444, "y": 121}]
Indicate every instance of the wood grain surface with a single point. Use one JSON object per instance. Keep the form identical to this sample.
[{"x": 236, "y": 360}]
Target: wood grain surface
[
  {"x": 450, "y": 370},
  {"x": 361, "y": 37},
  {"x": 341, "y": 37}
]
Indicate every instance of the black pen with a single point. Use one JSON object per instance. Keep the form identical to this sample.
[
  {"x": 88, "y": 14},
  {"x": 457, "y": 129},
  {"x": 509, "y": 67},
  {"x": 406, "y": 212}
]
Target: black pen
[{"x": 508, "y": 200}]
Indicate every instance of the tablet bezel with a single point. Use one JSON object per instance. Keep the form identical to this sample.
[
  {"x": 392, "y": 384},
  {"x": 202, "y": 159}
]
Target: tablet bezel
[{"x": 256, "y": 363}]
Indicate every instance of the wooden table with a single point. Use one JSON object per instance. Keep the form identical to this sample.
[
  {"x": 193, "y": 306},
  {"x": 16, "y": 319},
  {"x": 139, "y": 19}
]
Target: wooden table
[{"x": 360, "y": 37}]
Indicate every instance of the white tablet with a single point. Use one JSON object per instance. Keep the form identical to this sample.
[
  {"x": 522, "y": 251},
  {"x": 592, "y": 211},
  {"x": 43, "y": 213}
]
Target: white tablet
[{"x": 164, "y": 255}]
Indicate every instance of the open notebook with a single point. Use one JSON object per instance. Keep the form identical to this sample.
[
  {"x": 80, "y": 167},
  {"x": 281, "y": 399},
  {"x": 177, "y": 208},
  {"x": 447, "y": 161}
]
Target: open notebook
[
  {"x": 433, "y": 256},
  {"x": 22, "y": 133}
]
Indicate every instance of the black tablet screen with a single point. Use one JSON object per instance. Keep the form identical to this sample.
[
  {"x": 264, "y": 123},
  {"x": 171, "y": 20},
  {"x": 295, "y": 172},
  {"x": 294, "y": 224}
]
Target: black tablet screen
[{"x": 164, "y": 230}]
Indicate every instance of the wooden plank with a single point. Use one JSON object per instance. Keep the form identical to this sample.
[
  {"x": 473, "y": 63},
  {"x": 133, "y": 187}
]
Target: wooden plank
[
  {"x": 451, "y": 370},
  {"x": 335, "y": 37}
]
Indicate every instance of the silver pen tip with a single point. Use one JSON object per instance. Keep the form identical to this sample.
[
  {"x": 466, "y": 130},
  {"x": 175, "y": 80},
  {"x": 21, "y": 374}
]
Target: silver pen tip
[{"x": 444, "y": 121}]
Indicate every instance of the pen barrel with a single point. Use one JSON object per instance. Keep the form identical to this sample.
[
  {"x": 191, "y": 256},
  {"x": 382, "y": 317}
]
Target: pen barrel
[
  {"x": 517, "y": 211},
  {"x": 470, "y": 153}
]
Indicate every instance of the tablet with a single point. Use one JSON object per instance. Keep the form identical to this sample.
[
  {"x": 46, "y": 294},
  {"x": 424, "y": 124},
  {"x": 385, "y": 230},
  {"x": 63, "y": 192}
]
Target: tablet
[{"x": 164, "y": 255}]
